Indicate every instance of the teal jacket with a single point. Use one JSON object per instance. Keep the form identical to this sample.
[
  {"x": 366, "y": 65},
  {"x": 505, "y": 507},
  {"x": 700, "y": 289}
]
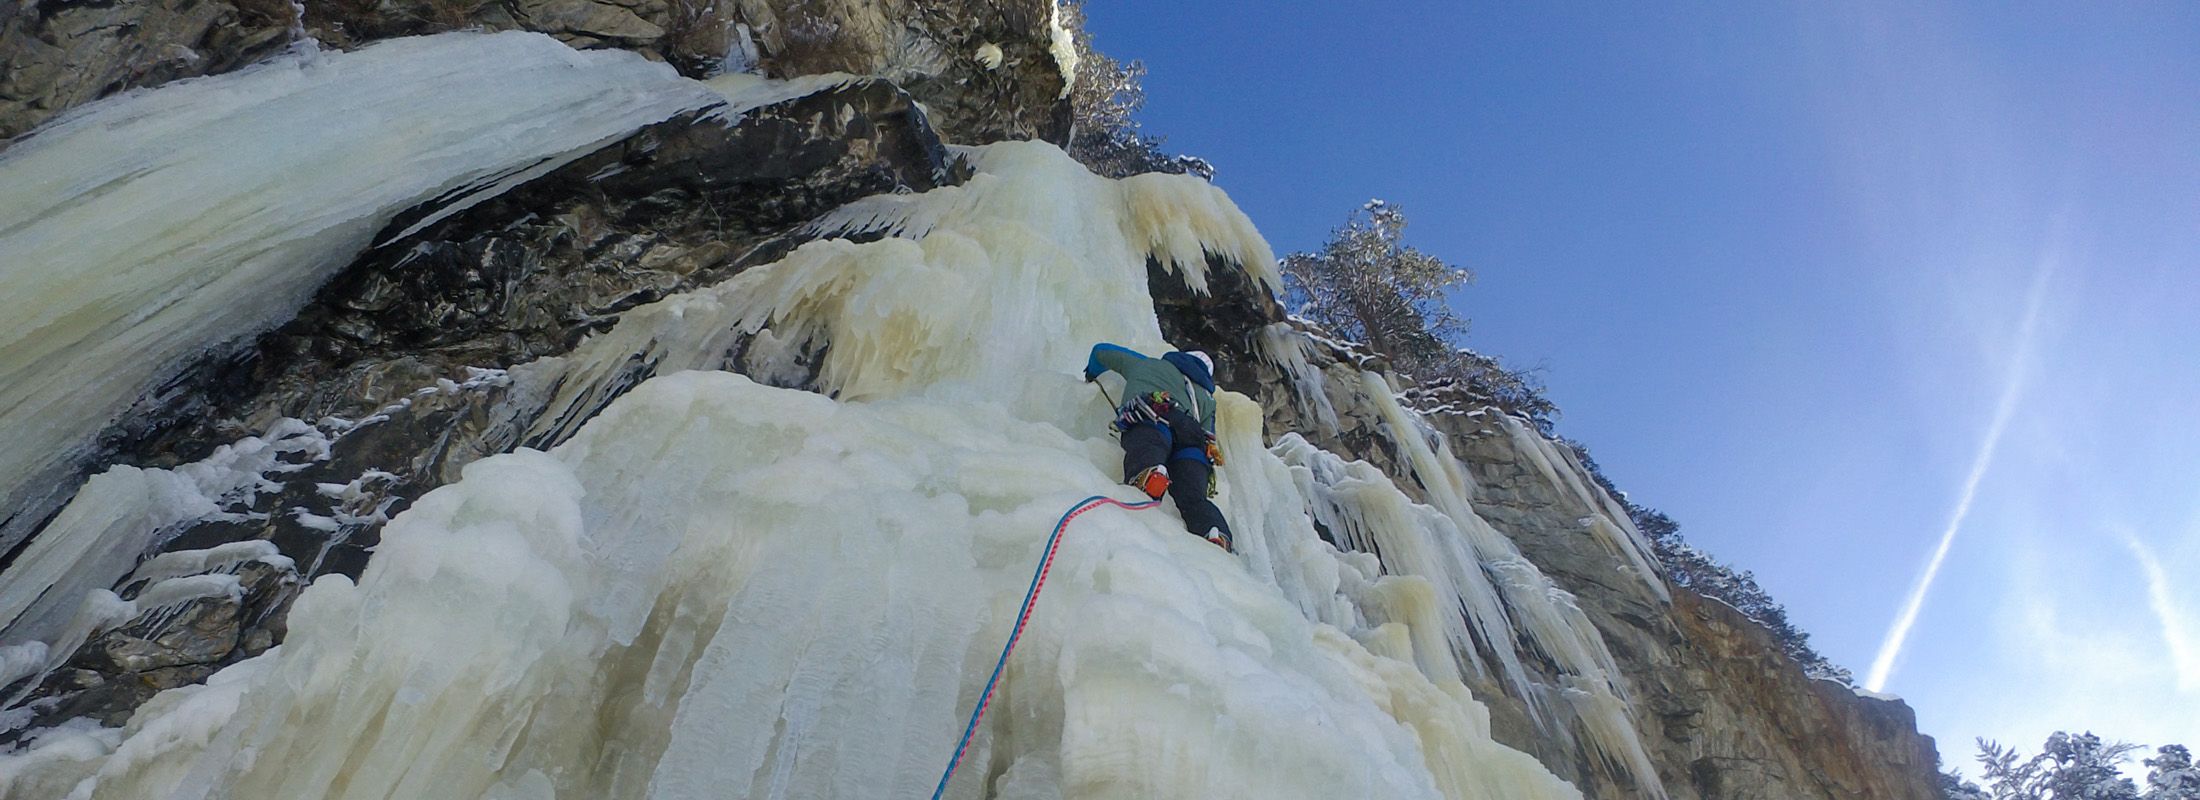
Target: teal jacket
[{"x": 1180, "y": 375}]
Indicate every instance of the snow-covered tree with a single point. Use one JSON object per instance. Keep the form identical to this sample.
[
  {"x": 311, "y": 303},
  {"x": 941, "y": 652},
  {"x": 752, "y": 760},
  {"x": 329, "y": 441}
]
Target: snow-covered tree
[
  {"x": 2171, "y": 774},
  {"x": 1516, "y": 391},
  {"x": 1368, "y": 285},
  {"x": 2008, "y": 776},
  {"x": 2084, "y": 767},
  {"x": 1954, "y": 787},
  {"x": 2069, "y": 767}
]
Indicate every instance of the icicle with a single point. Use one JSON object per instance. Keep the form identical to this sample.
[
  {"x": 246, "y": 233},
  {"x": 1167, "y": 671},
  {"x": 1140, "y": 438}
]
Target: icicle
[
  {"x": 1062, "y": 46},
  {"x": 1367, "y": 513},
  {"x": 1607, "y": 521},
  {"x": 220, "y": 203},
  {"x": 1611, "y": 729},
  {"x": 99, "y": 611},
  {"x": 1274, "y": 535},
  {"x": 744, "y": 92},
  {"x": 221, "y": 558},
  {"x": 1546, "y": 616},
  {"x": 19, "y": 661},
  {"x": 1455, "y": 731},
  {"x": 1287, "y": 350}
]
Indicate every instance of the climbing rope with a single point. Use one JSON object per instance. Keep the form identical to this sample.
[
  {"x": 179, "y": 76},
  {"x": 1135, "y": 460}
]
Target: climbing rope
[{"x": 1031, "y": 596}]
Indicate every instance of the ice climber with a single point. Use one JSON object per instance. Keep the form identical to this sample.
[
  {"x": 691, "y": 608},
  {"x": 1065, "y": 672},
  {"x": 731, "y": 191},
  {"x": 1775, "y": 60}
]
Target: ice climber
[{"x": 1167, "y": 419}]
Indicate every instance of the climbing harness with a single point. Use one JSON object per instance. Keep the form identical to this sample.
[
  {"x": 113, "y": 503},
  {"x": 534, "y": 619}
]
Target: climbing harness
[
  {"x": 1031, "y": 596},
  {"x": 1153, "y": 409}
]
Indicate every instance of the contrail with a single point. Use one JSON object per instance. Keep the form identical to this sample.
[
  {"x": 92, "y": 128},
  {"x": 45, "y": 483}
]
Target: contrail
[
  {"x": 2184, "y": 653},
  {"x": 1891, "y": 648}
]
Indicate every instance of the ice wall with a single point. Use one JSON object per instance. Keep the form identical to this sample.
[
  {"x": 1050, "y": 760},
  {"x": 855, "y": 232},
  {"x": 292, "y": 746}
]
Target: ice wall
[
  {"x": 717, "y": 587},
  {"x": 141, "y": 231}
]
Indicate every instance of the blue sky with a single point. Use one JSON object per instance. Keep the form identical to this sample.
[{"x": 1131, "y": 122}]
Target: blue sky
[{"x": 1785, "y": 264}]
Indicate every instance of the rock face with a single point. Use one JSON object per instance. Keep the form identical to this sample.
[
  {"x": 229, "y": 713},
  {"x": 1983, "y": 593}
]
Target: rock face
[
  {"x": 1824, "y": 740},
  {"x": 58, "y": 55},
  {"x": 401, "y": 360}
]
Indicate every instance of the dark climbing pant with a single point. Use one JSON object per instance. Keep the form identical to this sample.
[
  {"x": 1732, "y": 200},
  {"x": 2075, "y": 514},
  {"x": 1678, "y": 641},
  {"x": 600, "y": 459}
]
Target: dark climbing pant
[{"x": 1182, "y": 446}]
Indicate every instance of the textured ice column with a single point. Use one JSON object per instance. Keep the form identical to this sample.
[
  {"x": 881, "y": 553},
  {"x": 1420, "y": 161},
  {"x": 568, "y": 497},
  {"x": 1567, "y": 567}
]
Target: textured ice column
[
  {"x": 1286, "y": 348},
  {"x": 1614, "y": 529},
  {"x": 1455, "y": 731},
  {"x": 1274, "y": 536},
  {"x": 1366, "y": 512},
  {"x": 1546, "y": 616},
  {"x": 142, "y": 230}
]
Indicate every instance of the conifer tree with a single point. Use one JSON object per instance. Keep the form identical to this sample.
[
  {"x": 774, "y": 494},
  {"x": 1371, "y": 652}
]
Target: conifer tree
[
  {"x": 1368, "y": 285},
  {"x": 2171, "y": 774},
  {"x": 2069, "y": 767}
]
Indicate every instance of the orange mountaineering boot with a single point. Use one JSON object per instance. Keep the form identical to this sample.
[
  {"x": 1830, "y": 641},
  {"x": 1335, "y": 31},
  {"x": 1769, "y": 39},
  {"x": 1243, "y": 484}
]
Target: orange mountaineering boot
[{"x": 1154, "y": 481}]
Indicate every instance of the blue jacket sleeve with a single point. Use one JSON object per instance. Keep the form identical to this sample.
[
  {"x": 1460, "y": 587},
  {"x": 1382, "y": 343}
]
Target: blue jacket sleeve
[{"x": 1106, "y": 357}]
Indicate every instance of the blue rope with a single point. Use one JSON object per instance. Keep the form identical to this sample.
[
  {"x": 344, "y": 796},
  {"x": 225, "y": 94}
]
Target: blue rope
[{"x": 1031, "y": 595}]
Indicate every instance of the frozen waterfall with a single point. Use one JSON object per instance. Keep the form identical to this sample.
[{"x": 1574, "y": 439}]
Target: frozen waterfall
[
  {"x": 138, "y": 232},
  {"x": 716, "y": 587}
]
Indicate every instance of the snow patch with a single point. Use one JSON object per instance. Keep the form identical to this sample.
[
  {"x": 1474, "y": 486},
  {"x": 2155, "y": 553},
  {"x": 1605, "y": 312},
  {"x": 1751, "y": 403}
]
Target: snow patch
[{"x": 1862, "y": 692}]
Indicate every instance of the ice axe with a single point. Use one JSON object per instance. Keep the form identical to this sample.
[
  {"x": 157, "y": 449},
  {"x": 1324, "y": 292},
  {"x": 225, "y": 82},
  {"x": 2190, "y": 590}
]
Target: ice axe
[{"x": 1111, "y": 404}]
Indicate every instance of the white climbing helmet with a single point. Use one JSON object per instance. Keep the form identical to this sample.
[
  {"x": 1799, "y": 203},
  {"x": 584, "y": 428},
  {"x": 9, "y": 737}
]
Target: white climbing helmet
[{"x": 1203, "y": 359}]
